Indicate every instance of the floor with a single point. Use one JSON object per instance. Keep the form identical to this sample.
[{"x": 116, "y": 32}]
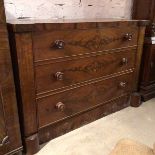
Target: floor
[{"x": 99, "y": 137}]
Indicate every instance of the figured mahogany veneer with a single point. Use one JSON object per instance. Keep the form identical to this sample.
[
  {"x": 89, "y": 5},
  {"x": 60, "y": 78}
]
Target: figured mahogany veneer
[
  {"x": 76, "y": 100},
  {"x": 70, "y": 73},
  {"x": 81, "y": 69},
  {"x": 56, "y": 129},
  {"x": 83, "y": 41}
]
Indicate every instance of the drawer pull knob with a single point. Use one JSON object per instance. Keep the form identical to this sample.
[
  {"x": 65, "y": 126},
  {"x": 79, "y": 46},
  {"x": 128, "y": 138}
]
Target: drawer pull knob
[
  {"x": 124, "y": 61},
  {"x": 59, "y": 76},
  {"x": 59, "y": 44},
  {"x": 122, "y": 84},
  {"x": 60, "y": 106},
  {"x": 128, "y": 36}
]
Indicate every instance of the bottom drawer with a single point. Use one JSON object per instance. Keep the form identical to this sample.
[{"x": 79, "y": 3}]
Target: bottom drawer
[
  {"x": 62, "y": 127},
  {"x": 69, "y": 103}
]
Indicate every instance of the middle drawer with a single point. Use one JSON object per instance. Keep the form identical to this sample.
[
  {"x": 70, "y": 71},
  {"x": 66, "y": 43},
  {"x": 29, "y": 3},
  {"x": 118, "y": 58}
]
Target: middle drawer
[{"x": 65, "y": 73}]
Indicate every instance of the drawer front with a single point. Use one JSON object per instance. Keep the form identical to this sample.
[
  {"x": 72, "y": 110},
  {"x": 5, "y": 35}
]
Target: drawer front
[
  {"x": 59, "y": 106},
  {"x": 67, "y": 125},
  {"x": 54, "y": 44},
  {"x": 56, "y": 75}
]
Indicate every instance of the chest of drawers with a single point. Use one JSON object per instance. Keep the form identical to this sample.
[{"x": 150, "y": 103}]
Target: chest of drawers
[{"x": 69, "y": 73}]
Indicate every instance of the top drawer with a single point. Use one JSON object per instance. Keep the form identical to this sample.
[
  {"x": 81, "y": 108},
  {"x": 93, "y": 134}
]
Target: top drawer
[{"x": 54, "y": 44}]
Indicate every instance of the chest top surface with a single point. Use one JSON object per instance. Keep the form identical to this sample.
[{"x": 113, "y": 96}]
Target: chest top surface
[{"x": 21, "y": 25}]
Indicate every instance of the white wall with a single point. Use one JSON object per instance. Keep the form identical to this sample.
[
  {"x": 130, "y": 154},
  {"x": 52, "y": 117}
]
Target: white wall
[{"x": 68, "y": 9}]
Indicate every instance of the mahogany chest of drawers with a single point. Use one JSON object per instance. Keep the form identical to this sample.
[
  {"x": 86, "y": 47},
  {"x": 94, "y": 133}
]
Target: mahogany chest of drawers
[{"x": 69, "y": 73}]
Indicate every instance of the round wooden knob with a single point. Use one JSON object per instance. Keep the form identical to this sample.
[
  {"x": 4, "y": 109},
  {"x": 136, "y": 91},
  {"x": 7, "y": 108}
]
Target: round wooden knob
[
  {"x": 122, "y": 84},
  {"x": 60, "y": 106},
  {"x": 128, "y": 36},
  {"x": 59, "y": 44},
  {"x": 124, "y": 61},
  {"x": 59, "y": 76}
]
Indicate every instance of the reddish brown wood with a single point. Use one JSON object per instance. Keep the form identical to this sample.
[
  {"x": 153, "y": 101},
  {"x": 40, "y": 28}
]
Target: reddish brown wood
[
  {"x": 139, "y": 56},
  {"x": 10, "y": 138},
  {"x": 76, "y": 100},
  {"x": 82, "y": 41},
  {"x": 32, "y": 144},
  {"x": 80, "y": 69},
  {"x": 4, "y": 37},
  {"x": 26, "y": 86},
  {"x": 66, "y": 125},
  {"x": 70, "y": 73},
  {"x": 147, "y": 82},
  {"x": 135, "y": 100}
]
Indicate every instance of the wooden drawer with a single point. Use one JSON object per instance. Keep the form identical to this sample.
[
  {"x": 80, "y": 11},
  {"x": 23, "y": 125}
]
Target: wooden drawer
[
  {"x": 58, "y": 129},
  {"x": 3, "y": 37},
  {"x": 68, "y": 103},
  {"x": 64, "y": 73},
  {"x": 54, "y": 44}
]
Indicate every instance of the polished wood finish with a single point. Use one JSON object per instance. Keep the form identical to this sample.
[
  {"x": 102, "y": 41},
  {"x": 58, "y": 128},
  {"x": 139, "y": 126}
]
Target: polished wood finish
[
  {"x": 66, "y": 125},
  {"x": 82, "y": 69},
  {"x": 32, "y": 144},
  {"x": 135, "y": 100},
  {"x": 10, "y": 139},
  {"x": 76, "y": 100},
  {"x": 27, "y": 86},
  {"x": 4, "y": 37},
  {"x": 72, "y": 73},
  {"x": 147, "y": 82},
  {"x": 81, "y": 41}
]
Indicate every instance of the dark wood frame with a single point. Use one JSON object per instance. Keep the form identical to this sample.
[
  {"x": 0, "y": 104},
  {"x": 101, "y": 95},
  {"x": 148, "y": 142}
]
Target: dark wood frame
[
  {"x": 145, "y": 9},
  {"x": 10, "y": 137}
]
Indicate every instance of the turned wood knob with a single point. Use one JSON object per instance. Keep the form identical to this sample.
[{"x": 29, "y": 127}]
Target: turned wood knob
[
  {"x": 59, "y": 44},
  {"x": 122, "y": 84},
  {"x": 60, "y": 106},
  {"x": 59, "y": 76},
  {"x": 124, "y": 61},
  {"x": 128, "y": 36}
]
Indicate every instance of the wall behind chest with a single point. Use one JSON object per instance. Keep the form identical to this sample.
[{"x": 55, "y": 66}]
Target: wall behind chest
[{"x": 68, "y": 9}]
